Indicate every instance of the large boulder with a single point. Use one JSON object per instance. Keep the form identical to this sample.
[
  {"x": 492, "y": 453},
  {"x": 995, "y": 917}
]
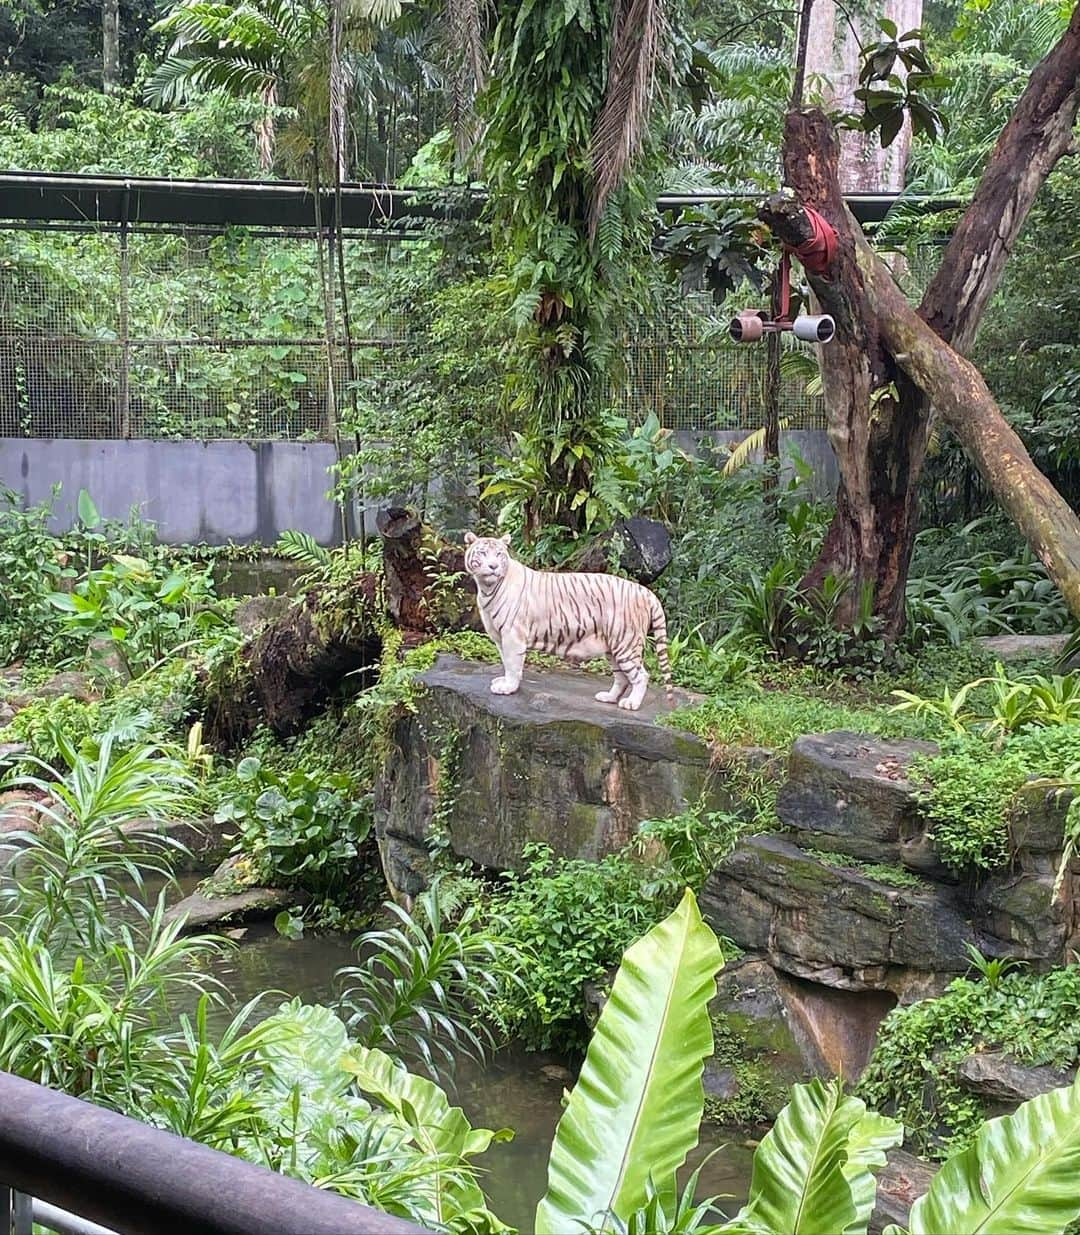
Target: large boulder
[
  {"x": 641, "y": 547},
  {"x": 996, "y": 1076},
  {"x": 488, "y": 774},
  {"x": 834, "y": 925},
  {"x": 850, "y": 793},
  {"x": 852, "y": 895},
  {"x": 201, "y": 912},
  {"x": 900, "y": 1183}
]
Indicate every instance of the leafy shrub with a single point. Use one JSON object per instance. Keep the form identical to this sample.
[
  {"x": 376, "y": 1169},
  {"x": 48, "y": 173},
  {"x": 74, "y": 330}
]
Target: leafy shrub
[
  {"x": 960, "y": 589},
  {"x": 706, "y": 667},
  {"x": 736, "y": 556},
  {"x": 971, "y": 785},
  {"x": 299, "y": 830},
  {"x": 635, "y": 473},
  {"x": 693, "y": 842},
  {"x": 145, "y": 609},
  {"x": 573, "y": 919},
  {"x": 912, "y": 1072},
  {"x": 166, "y": 693},
  {"x": 33, "y": 565},
  {"x": 43, "y": 723},
  {"x": 426, "y": 982}
]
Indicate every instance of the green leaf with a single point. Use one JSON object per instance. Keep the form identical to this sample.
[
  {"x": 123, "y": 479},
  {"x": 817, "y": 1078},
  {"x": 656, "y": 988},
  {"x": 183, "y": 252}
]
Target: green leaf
[
  {"x": 303, "y": 1049},
  {"x": 891, "y": 126},
  {"x": 888, "y": 26},
  {"x": 870, "y": 1138},
  {"x": 88, "y": 512},
  {"x": 1019, "y": 1174},
  {"x": 247, "y": 770},
  {"x": 801, "y": 1183},
  {"x": 636, "y": 1107},
  {"x": 439, "y": 1129}
]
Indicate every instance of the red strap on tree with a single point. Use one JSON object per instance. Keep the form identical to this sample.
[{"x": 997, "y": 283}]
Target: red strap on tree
[{"x": 817, "y": 253}]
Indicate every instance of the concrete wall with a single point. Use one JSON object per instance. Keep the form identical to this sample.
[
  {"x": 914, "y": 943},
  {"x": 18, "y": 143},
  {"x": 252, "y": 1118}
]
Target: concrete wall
[
  {"x": 195, "y": 492},
  {"x": 220, "y": 491}
]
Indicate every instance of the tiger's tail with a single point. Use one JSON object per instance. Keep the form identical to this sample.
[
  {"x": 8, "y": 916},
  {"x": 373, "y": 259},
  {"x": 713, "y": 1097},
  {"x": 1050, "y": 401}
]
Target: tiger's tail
[{"x": 658, "y": 625}]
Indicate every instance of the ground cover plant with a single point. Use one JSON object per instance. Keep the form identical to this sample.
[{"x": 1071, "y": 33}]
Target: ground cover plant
[{"x": 1032, "y": 1017}]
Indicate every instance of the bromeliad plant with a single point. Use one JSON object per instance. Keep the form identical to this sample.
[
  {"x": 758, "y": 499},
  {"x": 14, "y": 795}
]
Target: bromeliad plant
[{"x": 634, "y": 1114}]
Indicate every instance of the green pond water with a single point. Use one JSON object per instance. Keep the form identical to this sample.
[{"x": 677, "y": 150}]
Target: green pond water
[{"x": 515, "y": 1089}]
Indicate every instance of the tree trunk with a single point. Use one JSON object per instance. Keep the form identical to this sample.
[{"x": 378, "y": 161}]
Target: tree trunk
[
  {"x": 834, "y": 54},
  {"x": 427, "y": 589},
  {"x": 288, "y": 671},
  {"x": 110, "y": 44},
  {"x": 959, "y": 393},
  {"x": 878, "y": 396},
  {"x": 1037, "y": 134}
]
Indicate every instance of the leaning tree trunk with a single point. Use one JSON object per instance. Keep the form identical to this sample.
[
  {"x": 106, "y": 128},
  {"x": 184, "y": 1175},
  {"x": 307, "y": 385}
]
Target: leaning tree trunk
[
  {"x": 882, "y": 372},
  {"x": 289, "y": 670}
]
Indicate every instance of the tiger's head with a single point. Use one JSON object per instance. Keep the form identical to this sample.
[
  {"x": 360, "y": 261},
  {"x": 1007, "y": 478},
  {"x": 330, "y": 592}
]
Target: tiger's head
[{"x": 487, "y": 558}]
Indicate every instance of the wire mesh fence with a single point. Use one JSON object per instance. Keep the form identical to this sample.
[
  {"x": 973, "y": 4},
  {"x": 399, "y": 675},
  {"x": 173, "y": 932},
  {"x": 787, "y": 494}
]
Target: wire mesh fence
[{"x": 195, "y": 333}]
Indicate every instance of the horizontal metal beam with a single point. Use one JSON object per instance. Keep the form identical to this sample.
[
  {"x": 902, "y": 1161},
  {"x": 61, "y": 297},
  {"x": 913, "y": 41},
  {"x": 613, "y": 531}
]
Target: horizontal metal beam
[
  {"x": 140, "y": 201},
  {"x": 140, "y": 1180}
]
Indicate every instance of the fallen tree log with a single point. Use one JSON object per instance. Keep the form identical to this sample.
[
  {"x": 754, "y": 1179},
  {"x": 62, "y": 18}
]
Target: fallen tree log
[{"x": 288, "y": 670}]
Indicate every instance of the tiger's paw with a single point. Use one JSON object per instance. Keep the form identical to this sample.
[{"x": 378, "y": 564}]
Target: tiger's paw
[
  {"x": 503, "y": 686},
  {"x": 630, "y": 704},
  {"x": 606, "y": 696}
]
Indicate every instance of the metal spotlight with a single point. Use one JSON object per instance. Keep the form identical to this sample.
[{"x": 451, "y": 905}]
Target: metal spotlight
[{"x": 750, "y": 325}]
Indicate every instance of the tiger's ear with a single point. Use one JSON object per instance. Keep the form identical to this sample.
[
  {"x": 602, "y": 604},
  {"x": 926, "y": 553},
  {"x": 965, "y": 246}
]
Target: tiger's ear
[
  {"x": 470, "y": 538},
  {"x": 505, "y": 539}
]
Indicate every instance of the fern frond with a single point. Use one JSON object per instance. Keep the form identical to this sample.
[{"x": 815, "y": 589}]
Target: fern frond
[{"x": 302, "y": 547}]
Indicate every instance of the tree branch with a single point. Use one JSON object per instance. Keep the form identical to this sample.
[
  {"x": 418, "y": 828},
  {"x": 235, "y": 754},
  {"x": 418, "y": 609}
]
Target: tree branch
[
  {"x": 1038, "y": 133},
  {"x": 960, "y": 394}
]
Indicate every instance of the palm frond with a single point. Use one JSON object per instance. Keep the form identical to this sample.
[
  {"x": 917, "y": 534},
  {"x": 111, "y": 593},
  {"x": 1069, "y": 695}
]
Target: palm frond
[
  {"x": 468, "y": 69},
  {"x": 639, "y": 43},
  {"x": 751, "y": 443}
]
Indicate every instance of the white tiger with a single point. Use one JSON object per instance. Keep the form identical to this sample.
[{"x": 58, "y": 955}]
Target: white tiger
[{"x": 575, "y": 615}]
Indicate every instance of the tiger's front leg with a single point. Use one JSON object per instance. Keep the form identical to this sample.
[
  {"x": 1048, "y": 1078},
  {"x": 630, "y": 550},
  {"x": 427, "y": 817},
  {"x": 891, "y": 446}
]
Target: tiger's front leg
[{"x": 513, "y": 659}]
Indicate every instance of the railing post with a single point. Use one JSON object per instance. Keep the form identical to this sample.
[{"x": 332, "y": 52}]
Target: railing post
[
  {"x": 16, "y": 1212},
  {"x": 124, "y": 383},
  {"x": 22, "y": 1214}
]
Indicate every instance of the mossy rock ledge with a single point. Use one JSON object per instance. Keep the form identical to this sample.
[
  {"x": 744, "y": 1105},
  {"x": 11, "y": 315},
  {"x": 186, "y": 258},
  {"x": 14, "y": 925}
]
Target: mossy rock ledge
[
  {"x": 850, "y": 894},
  {"x": 488, "y": 774}
]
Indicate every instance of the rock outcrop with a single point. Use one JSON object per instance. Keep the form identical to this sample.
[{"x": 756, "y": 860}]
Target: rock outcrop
[
  {"x": 851, "y": 894},
  {"x": 489, "y": 774},
  {"x": 997, "y": 1077}
]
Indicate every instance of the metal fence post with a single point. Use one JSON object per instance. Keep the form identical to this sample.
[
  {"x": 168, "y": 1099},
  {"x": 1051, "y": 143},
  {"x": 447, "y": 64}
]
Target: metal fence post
[
  {"x": 123, "y": 390},
  {"x": 22, "y": 1214}
]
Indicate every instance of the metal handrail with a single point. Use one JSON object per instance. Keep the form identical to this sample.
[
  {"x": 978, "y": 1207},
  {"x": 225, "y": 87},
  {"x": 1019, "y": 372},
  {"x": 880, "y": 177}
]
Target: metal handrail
[{"x": 139, "y": 1180}]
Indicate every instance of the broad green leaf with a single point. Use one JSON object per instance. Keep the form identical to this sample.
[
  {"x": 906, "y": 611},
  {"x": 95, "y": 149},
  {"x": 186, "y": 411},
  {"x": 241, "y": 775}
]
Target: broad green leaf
[
  {"x": 800, "y": 1183},
  {"x": 637, "y": 1105},
  {"x": 1021, "y": 1173},
  {"x": 439, "y": 1129},
  {"x": 305, "y": 1049},
  {"x": 867, "y": 1144},
  {"x": 88, "y": 512}
]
